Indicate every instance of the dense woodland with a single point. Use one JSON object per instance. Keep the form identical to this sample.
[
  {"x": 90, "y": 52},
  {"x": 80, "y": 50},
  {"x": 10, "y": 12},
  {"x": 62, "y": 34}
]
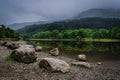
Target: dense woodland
[
  {"x": 8, "y": 33},
  {"x": 113, "y": 33},
  {"x": 69, "y": 29},
  {"x": 92, "y": 23}
]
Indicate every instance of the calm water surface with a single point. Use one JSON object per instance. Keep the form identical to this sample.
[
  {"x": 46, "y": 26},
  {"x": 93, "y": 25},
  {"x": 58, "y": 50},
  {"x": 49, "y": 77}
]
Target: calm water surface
[{"x": 95, "y": 51}]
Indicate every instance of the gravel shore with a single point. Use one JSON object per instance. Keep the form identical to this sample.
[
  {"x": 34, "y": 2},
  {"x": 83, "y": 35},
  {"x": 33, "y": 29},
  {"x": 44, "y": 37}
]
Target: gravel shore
[{"x": 11, "y": 70}]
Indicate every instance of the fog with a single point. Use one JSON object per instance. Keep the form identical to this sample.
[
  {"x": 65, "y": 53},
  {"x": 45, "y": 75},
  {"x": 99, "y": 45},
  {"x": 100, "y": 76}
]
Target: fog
[{"x": 17, "y": 11}]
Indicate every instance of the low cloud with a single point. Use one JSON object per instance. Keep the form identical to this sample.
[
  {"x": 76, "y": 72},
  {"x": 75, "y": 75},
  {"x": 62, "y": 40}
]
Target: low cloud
[{"x": 16, "y": 11}]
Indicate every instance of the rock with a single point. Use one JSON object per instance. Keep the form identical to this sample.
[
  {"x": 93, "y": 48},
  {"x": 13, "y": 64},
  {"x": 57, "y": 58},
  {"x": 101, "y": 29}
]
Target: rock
[
  {"x": 99, "y": 63},
  {"x": 81, "y": 57},
  {"x": 54, "y": 52},
  {"x": 56, "y": 65},
  {"x": 38, "y": 48},
  {"x": 25, "y": 55},
  {"x": 14, "y": 45},
  {"x": 3, "y": 43},
  {"x": 8, "y": 44},
  {"x": 26, "y": 46},
  {"x": 83, "y": 64}
]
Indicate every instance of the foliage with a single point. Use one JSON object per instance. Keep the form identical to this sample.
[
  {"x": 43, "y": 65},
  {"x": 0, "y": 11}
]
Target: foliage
[
  {"x": 92, "y": 23},
  {"x": 10, "y": 56},
  {"x": 113, "y": 33},
  {"x": 8, "y": 33}
]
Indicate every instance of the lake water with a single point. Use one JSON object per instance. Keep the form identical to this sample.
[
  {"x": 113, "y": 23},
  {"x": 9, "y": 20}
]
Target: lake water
[{"x": 95, "y": 51}]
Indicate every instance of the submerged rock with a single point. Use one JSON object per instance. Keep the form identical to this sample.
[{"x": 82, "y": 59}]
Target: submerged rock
[
  {"x": 82, "y": 57},
  {"x": 52, "y": 64},
  {"x": 54, "y": 52},
  {"x": 83, "y": 64},
  {"x": 25, "y": 55},
  {"x": 38, "y": 48}
]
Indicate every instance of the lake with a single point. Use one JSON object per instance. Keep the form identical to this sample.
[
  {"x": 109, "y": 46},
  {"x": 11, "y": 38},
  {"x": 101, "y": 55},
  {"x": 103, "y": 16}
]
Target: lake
[{"x": 95, "y": 51}]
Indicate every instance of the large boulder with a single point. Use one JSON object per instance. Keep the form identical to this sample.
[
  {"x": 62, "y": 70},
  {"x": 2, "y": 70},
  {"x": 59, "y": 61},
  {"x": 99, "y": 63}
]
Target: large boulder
[
  {"x": 82, "y": 57},
  {"x": 54, "y": 65},
  {"x": 54, "y": 52},
  {"x": 38, "y": 48},
  {"x": 24, "y": 55},
  {"x": 83, "y": 64}
]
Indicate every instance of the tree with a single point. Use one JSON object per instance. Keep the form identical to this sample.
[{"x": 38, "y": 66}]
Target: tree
[{"x": 115, "y": 32}]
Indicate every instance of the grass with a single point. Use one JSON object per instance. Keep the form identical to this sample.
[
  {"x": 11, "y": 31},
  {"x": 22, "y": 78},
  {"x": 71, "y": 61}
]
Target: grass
[
  {"x": 101, "y": 40},
  {"x": 85, "y": 39},
  {"x": 10, "y": 57}
]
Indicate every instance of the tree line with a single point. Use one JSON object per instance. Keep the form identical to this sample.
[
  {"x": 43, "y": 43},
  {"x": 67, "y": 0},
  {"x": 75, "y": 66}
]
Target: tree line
[
  {"x": 113, "y": 33},
  {"x": 92, "y": 23},
  {"x": 8, "y": 33}
]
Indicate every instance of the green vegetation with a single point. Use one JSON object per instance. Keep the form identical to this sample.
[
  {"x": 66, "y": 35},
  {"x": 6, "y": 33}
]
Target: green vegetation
[
  {"x": 10, "y": 57},
  {"x": 92, "y": 23},
  {"x": 8, "y": 33},
  {"x": 79, "y": 34}
]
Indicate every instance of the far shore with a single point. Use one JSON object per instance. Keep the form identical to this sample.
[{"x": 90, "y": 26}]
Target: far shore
[{"x": 85, "y": 40}]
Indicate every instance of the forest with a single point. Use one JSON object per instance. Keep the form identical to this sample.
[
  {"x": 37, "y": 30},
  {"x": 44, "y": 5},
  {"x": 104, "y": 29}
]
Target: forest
[
  {"x": 92, "y": 23},
  {"x": 6, "y": 32},
  {"x": 113, "y": 33}
]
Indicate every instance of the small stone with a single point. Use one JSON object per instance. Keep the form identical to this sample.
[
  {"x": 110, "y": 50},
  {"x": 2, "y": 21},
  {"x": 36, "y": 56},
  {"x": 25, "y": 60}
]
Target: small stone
[
  {"x": 99, "y": 63},
  {"x": 83, "y": 64},
  {"x": 82, "y": 57},
  {"x": 54, "y": 52},
  {"x": 38, "y": 48}
]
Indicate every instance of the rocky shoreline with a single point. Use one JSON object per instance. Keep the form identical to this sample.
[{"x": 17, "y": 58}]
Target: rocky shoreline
[{"x": 12, "y": 70}]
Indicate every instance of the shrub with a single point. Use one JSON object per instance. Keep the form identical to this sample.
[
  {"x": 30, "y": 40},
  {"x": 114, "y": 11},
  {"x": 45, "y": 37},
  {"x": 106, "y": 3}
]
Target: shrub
[{"x": 10, "y": 57}]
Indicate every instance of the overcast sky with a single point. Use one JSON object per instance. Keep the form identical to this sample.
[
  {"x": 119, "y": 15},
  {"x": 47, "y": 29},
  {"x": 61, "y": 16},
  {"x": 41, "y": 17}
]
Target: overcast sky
[{"x": 17, "y": 11}]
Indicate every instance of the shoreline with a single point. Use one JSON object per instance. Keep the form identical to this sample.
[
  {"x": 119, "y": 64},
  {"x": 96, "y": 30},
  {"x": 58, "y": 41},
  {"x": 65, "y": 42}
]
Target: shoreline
[
  {"x": 11, "y": 70},
  {"x": 84, "y": 40}
]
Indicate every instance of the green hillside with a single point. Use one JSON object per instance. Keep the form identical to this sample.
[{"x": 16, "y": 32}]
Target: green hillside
[{"x": 92, "y": 23}]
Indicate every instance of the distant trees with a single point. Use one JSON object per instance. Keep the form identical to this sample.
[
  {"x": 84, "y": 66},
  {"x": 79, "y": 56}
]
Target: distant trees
[
  {"x": 101, "y": 33},
  {"x": 8, "y": 33},
  {"x": 113, "y": 33},
  {"x": 92, "y": 23}
]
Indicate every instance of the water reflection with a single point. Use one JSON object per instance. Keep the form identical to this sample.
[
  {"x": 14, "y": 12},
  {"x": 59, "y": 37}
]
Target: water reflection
[{"x": 96, "y": 51}]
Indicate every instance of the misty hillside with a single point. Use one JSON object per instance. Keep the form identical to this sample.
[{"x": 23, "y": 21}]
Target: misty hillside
[
  {"x": 94, "y": 23},
  {"x": 17, "y": 26},
  {"x": 104, "y": 13}
]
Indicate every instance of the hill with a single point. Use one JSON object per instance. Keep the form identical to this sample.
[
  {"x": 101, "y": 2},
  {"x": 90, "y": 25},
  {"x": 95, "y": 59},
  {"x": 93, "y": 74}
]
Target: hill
[
  {"x": 17, "y": 26},
  {"x": 103, "y": 13},
  {"x": 93, "y": 23}
]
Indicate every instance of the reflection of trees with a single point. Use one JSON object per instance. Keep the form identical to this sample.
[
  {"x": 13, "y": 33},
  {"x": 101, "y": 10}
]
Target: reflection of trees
[
  {"x": 81, "y": 46},
  {"x": 114, "y": 48}
]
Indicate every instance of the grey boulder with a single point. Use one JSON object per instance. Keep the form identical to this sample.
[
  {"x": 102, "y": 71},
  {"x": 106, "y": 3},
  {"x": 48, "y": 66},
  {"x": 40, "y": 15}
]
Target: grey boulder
[
  {"x": 54, "y": 65},
  {"x": 24, "y": 55}
]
